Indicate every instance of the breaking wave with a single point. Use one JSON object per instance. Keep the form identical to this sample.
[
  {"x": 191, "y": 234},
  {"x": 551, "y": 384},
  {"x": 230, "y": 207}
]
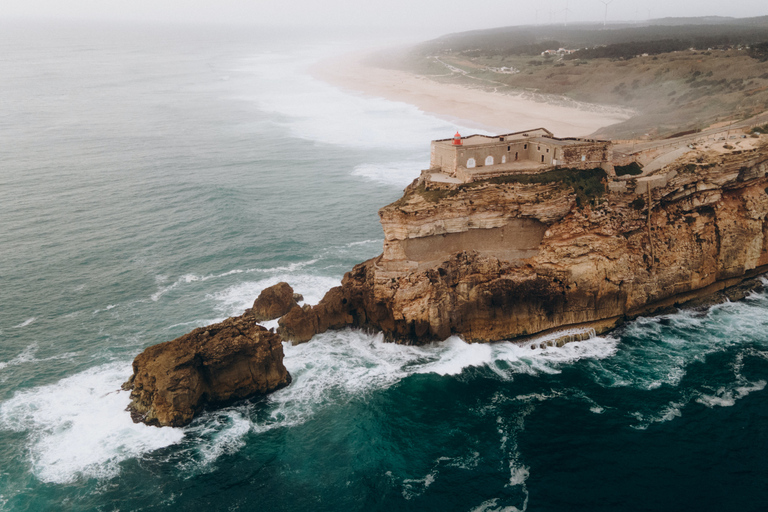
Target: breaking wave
[{"x": 78, "y": 427}]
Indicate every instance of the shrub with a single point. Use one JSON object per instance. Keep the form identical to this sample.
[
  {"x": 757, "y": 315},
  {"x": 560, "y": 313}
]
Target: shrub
[
  {"x": 632, "y": 169},
  {"x": 587, "y": 184},
  {"x": 759, "y": 51}
]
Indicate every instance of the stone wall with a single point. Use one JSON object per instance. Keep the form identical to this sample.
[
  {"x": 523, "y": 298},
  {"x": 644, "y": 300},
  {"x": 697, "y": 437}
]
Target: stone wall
[{"x": 457, "y": 160}]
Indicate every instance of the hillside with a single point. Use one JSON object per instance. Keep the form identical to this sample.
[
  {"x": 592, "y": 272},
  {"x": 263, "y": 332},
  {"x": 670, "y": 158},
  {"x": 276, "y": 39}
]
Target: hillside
[{"x": 675, "y": 74}]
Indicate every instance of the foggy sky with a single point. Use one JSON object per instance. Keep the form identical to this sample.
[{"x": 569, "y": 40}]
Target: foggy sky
[{"x": 431, "y": 16}]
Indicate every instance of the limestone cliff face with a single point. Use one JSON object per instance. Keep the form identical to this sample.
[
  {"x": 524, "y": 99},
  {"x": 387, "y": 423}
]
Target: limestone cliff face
[
  {"x": 499, "y": 260},
  {"x": 213, "y": 365}
]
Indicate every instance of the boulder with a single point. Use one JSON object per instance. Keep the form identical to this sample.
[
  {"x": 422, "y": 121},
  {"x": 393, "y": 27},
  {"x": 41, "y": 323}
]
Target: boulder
[
  {"x": 299, "y": 325},
  {"x": 211, "y": 366},
  {"x": 274, "y": 302}
]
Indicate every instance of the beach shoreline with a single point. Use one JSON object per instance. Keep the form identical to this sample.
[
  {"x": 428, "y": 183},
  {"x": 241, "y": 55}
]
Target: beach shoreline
[{"x": 493, "y": 112}]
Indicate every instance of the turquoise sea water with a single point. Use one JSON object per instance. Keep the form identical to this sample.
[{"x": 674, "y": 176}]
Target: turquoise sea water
[{"x": 153, "y": 180}]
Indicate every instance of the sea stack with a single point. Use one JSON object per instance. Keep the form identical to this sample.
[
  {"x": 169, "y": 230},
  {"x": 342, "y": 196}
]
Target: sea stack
[{"x": 211, "y": 366}]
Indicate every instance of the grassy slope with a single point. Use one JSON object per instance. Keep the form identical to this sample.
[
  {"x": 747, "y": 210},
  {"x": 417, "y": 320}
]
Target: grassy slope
[{"x": 670, "y": 91}]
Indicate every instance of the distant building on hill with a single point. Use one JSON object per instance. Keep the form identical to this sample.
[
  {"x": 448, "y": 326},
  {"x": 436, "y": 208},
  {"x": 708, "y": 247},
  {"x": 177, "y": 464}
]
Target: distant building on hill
[
  {"x": 483, "y": 156},
  {"x": 559, "y": 51}
]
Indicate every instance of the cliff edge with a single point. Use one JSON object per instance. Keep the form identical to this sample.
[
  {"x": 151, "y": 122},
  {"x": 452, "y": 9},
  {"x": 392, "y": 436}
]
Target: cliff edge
[{"x": 516, "y": 255}]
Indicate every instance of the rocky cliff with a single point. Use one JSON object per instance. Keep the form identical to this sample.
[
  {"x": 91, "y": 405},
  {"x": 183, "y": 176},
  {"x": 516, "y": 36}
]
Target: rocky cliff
[{"x": 519, "y": 255}]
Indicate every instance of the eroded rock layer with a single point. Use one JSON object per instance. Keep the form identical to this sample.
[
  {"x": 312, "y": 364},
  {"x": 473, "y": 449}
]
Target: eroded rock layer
[{"x": 601, "y": 256}]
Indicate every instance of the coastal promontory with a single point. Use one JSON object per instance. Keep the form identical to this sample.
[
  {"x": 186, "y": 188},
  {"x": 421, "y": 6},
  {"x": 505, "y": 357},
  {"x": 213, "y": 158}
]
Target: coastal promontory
[{"x": 512, "y": 236}]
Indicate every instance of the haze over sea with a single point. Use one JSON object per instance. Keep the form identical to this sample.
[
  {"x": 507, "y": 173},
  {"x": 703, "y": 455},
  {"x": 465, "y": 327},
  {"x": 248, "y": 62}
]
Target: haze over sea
[{"x": 153, "y": 180}]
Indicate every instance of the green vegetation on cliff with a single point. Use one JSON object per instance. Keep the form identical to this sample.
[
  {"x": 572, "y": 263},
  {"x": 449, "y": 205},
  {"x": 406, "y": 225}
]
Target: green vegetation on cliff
[{"x": 587, "y": 185}]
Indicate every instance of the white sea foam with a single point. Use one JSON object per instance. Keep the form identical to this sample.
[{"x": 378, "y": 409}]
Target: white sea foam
[
  {"x": 324, "y": 113},
  {"x": 78, "y": 427},
  {"x": 453, "y": 355},
  {"x": 346, "y": 365},
  {"x": 25, "y": 323},
  {"x": 364, "y": 242},
  {"x": 666, "y": 347},
  {"x": 223, "y": 436},
  {"x": 28, "y": 356},
  {"x": 107, "y": 308},
  {"x": 667, "y": 413},
  {"x": 398, "y": 174},
  {"x": 509, "y": 427},
  {"x": 517, "y": 474},
  {"x": 523, "y": 359},
  {"x": 469, "y": 461},
  {"x": 354, "y": 362},
  {"x": 414, "y": 487},
  {"x": 235, "y": 299},
  {"x": 291, "y": 267},
  {"x": 193, "y": 278},
  {"x": 659, "y": 351},
  {"x": 493, "y": 505},
  {"x": 725, "y": 397}
]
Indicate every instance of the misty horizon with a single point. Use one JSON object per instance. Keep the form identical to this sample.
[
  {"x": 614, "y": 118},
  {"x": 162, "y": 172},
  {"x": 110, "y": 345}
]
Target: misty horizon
[{"x": 429, "y": 18}]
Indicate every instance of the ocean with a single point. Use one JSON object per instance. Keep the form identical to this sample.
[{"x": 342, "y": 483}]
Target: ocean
[{"x": 155, "y": 179}]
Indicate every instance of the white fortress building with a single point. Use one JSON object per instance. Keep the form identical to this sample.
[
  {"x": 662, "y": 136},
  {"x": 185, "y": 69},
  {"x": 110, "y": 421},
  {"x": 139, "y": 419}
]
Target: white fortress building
[{"x": 478, "y": 157}]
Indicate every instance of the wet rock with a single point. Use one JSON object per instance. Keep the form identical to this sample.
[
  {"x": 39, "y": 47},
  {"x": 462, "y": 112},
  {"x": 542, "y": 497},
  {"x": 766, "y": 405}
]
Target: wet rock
[
  {"x": 211, "y": 366},
  {"x": 299, "y": 325},
  {"x": 274, "y": 302}
]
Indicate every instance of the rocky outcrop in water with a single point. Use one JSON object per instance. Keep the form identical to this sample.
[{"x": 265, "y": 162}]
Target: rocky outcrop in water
[
  {"x": 506, "y": 258},
  {"x": 210, "y": 366},
  {"x": 274, "y": 302}
]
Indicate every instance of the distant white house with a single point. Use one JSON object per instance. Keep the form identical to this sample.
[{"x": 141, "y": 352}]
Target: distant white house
[{"x": 559, "y": 51}]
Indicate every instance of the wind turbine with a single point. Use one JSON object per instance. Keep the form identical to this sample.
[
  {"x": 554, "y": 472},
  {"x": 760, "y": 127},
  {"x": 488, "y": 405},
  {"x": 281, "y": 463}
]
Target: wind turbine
[
  {"x": 609, "y": 2},
  {"x": 566, "y": 11}
]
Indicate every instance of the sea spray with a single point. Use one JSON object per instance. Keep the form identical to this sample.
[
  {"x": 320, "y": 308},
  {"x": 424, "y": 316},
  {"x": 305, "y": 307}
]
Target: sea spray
[{"x": 78, "y": 427}]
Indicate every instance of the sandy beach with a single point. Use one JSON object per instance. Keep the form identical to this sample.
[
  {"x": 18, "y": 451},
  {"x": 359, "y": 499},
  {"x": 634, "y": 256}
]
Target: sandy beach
[{"x": 491, "y": 111}]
